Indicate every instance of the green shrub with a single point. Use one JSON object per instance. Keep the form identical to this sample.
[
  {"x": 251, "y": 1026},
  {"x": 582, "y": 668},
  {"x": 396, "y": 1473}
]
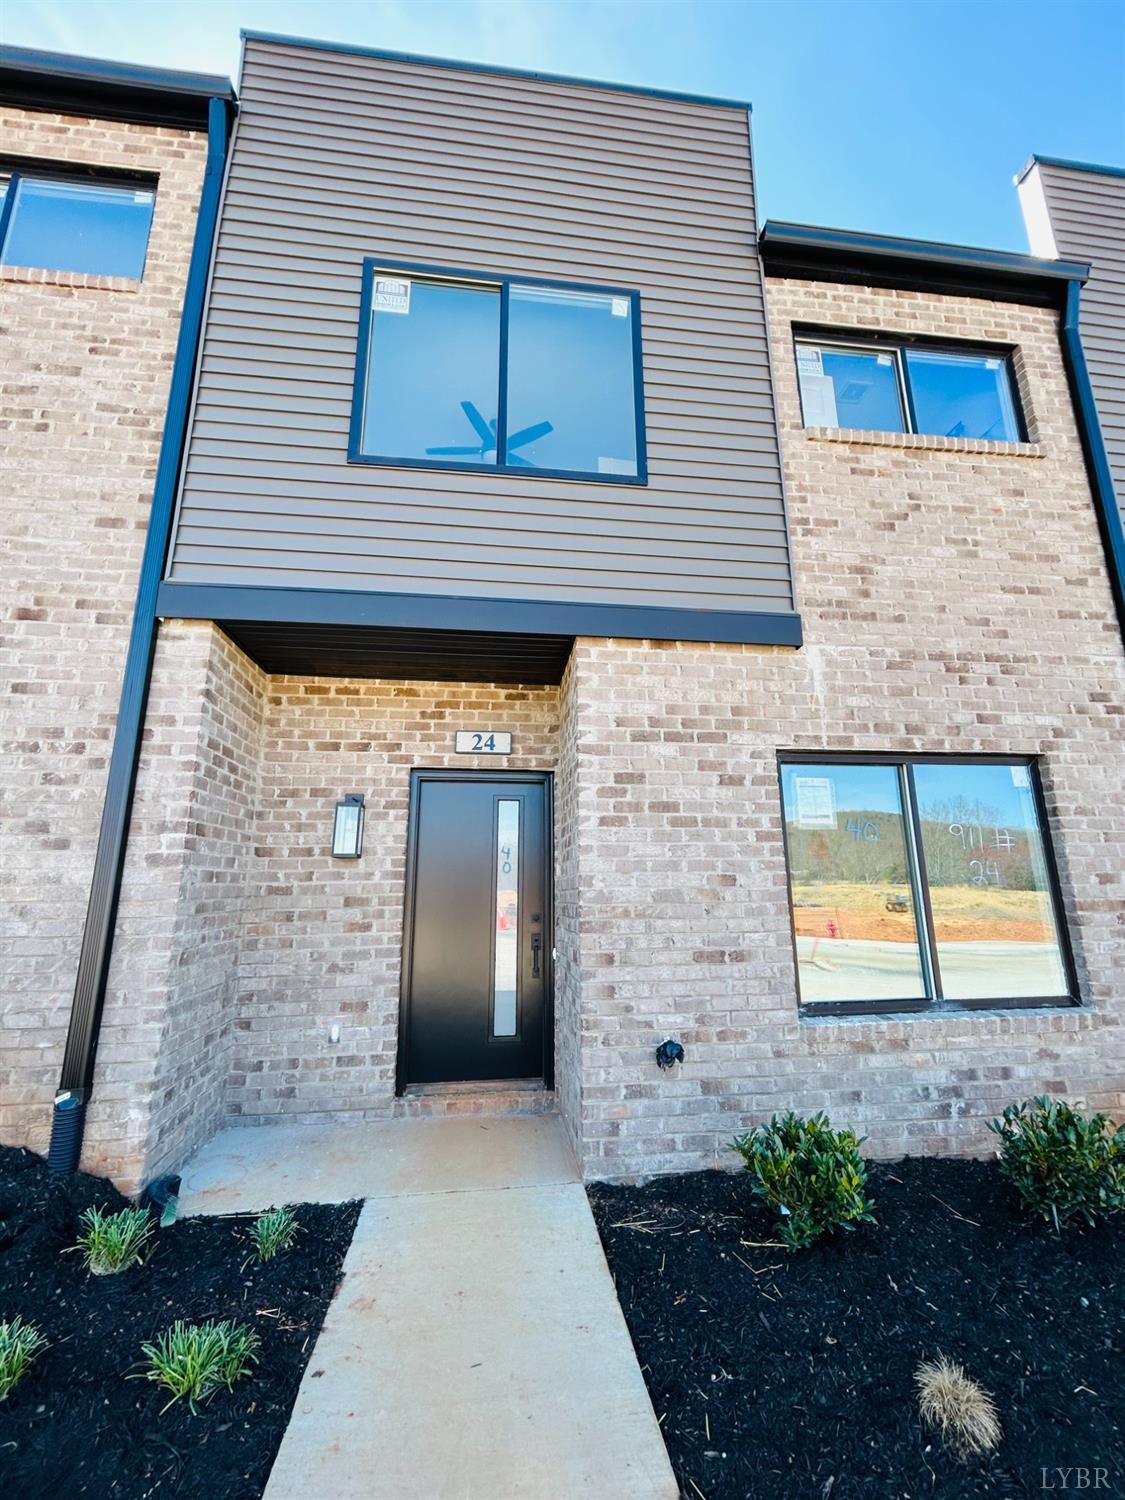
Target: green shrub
[
  {"x": 1062, "y": 1164},
  {"x": 812, "y": 1175},
  {"x": 195, "y": 1359},
  {"x": 273, "y": 1231},
  {"x": 20, "y": 1342},
  {"x": 114, "y": 1242}
]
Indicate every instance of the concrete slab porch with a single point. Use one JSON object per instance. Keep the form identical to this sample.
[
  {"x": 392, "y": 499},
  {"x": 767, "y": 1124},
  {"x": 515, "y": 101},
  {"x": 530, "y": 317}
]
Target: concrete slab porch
[{"x": 476, "y": 1350}]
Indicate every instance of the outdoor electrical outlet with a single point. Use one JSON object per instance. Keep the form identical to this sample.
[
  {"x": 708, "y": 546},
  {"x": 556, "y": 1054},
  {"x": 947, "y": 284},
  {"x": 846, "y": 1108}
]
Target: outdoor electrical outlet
[{"x": 669, "y": 1053}]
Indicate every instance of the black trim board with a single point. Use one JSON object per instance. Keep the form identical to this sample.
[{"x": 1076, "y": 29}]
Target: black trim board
[
  {"x": 804, "y": 252},
  {"x": 444, "y": 612},
  {"x": 57, "y": 81}
]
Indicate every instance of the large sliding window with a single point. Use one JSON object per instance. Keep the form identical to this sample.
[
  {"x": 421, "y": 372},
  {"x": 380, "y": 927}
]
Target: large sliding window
[
  {"x": 459, "y": 372},
  {"x": 921, "y": 881}
]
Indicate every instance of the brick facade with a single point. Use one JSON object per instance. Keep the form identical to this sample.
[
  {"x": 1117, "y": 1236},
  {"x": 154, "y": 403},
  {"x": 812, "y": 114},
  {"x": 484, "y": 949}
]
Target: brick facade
[
  {"x": 87, "y": 362},
  {"x": 323, "y": 941},
  {"x": 954, "y": 598},
  {"x": 163, "y": 1056}
]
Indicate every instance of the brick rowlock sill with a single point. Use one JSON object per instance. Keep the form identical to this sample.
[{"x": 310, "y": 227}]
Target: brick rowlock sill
[{"x": 923, "y": 441}]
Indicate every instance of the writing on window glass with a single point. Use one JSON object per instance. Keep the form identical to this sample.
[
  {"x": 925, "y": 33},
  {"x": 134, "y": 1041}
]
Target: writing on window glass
[
  {"x": 974, "y": 836},
  {"x": 862, "y": 828}
]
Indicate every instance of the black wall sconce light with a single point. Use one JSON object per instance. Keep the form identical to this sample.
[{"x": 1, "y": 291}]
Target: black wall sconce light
[{"x": 347, "y": 831}]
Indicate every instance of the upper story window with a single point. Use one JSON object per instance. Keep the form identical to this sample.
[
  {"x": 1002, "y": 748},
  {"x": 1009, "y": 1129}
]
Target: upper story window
[
  {"x": 55, "y": 222},
  {"x": 455, "y": 371},
  {"x": 902, "y": 387},
  {"x": 921, "y": 880}
]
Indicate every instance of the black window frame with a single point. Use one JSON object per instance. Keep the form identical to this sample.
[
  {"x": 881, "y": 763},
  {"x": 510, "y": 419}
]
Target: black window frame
[
  {"x": 935, "y": 1003},
  {"x": 16, "y": 168},
  {"x": 501, "y": 283},
  {"x": 868, "y": 341}
]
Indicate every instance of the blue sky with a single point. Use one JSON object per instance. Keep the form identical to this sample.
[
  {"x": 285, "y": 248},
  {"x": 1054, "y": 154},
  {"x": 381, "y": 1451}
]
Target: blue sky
[
  {"x": 896, "y": 116},
  {"x": 1001, "y": 790}
]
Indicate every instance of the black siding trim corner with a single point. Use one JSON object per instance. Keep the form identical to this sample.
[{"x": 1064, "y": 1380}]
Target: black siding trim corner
[{"x": 105, "y": 887}]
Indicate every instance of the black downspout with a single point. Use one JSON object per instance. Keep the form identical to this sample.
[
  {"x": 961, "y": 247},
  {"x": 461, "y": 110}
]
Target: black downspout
[
  {"x": 105, "y": 887},
  {"x": 1097, "y": 463}
]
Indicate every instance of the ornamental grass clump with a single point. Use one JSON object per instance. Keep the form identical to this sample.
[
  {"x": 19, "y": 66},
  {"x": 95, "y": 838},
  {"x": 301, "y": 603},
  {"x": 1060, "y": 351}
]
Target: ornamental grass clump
[
  {"x": 1063, "y": 1165},
  {"x": 114, "y": 1242},
  {"x": 273, "y": 1231},
  {"x": 812, "y": 1175},
  {"x": 20, "y": 1342},
  {"x": 195, "y": 1359},
  {"x": 963, "y": 1413}
]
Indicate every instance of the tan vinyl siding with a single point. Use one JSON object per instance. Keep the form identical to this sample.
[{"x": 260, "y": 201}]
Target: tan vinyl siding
[
  {"x": 1087, "y": 215},
  {"x": 340, "y": 156}
]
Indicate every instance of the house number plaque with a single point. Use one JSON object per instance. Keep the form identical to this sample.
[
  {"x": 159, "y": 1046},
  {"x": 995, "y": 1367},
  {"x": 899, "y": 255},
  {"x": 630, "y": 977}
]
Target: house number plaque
[{"x": 483, "y": 742}]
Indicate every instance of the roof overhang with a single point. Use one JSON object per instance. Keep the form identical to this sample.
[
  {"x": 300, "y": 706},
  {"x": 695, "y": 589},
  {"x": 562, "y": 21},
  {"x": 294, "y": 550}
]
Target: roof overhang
[
  {"x": 63, "y": 84},
  {"x": 811, "y": 254},
  {"x": 345, "y": 633}
]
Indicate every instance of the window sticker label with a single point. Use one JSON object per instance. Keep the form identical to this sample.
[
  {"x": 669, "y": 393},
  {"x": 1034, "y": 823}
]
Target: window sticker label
[
  {"x": 392, "y": 295},
  {"x": 616, "y": 466},
  {"x": 809, "y": 361},
  {"x": 619, "y": 307},
  {"x": 818, "y": 398},
  {"x": 1020, "y": 777},
  {"x": 816, "y": 801},
  {"x": 882, "y": 359}
]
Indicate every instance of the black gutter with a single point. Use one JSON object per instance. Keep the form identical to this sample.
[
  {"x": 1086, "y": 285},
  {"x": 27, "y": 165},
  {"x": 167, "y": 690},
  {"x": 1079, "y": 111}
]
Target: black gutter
[
  {"x": 33, "y": 79},
  {"x": 97, "y": 934},
  {"x": 1093, "y": 447},
  {"x": 808, "y": 253}
]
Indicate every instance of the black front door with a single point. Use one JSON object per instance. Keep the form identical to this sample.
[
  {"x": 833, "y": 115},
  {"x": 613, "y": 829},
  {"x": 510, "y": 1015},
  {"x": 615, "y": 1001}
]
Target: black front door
[{"x": 477, "y": 934}]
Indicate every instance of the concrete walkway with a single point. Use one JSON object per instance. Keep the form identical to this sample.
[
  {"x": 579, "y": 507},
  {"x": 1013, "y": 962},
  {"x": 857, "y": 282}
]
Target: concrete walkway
[{"x": 476, "y": 1350}]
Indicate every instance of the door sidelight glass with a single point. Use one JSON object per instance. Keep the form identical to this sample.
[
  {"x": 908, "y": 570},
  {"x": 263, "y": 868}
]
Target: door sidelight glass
[{"x": 505, "y": 974}]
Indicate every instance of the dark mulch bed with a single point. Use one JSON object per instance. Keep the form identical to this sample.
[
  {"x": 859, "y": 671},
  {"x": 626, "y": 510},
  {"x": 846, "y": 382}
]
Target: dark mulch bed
[
  {"x": 802, "y": 1364},
  {"x": 75, "y": 1425}
]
